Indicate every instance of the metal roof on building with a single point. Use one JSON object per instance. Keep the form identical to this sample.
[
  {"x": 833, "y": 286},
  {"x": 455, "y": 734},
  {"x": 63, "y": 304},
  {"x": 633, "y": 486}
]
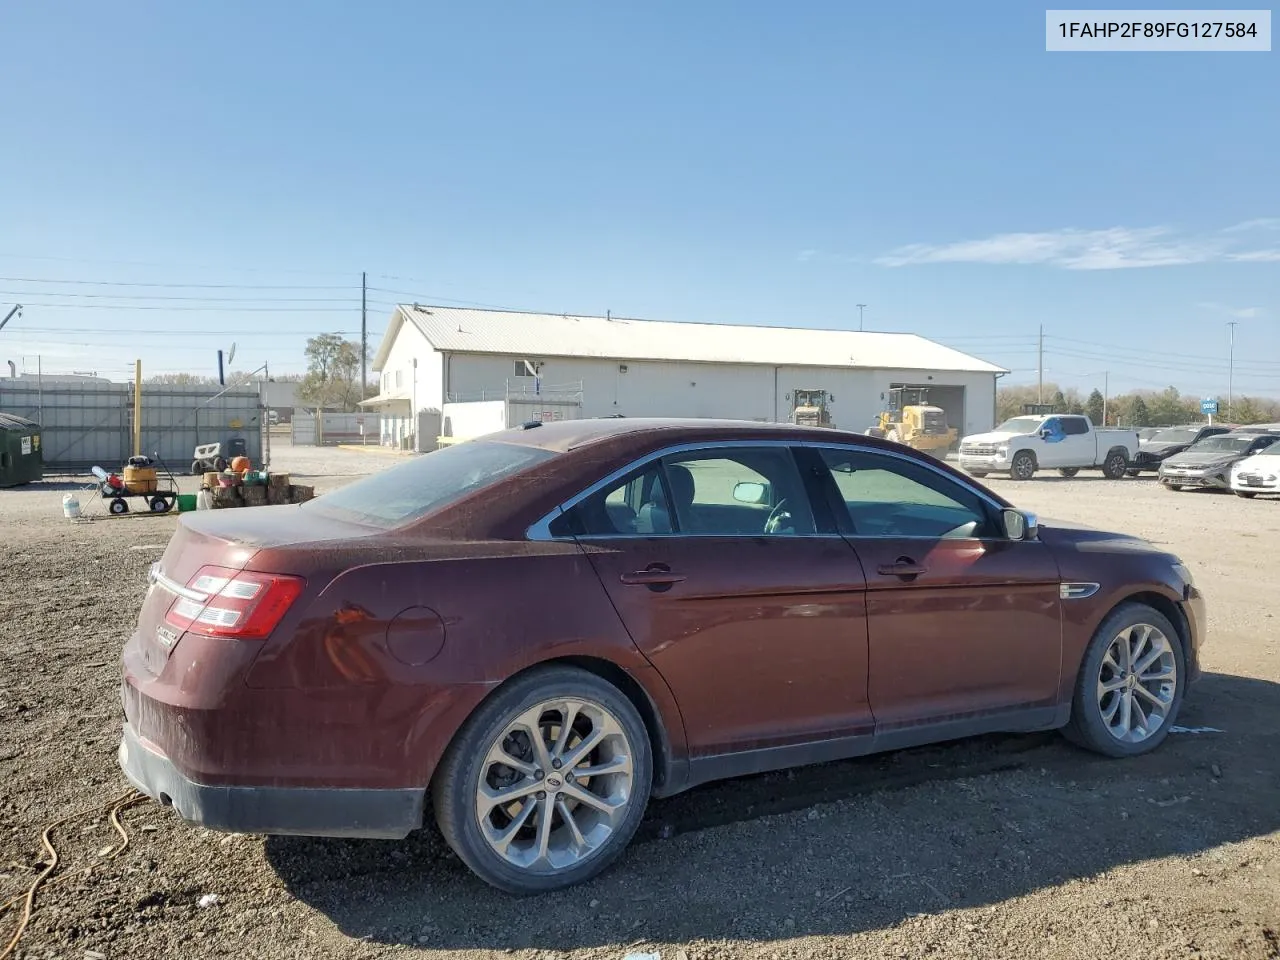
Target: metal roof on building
[
  {"x": 542, "y": 335},
  {"x": 10, "y": 421}
]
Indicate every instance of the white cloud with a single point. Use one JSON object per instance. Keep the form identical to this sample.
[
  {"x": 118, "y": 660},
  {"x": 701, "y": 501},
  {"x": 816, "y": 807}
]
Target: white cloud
[
  {"x": 1113, "y": 248},
  {"x": 1240, "y": 313},
  {"x": 1257, "y": 256}
]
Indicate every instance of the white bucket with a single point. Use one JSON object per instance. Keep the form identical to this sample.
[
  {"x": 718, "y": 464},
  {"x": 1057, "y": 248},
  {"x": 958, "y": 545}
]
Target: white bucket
[
  {"x": 70, "y": 506},
  {"x": 204, "y": 500}
]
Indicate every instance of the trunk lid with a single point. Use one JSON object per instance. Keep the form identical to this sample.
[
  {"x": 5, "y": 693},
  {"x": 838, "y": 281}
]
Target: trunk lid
[{"x": 221, "y": 538}]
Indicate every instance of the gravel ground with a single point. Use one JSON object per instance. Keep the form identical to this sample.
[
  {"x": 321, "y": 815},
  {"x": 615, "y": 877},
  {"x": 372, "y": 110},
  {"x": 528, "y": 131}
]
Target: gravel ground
[{"x": 987, "y": 848}]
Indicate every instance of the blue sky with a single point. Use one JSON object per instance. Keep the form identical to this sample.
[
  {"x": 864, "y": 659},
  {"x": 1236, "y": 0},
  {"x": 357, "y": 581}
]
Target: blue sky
[{"x": 715, "y": 161}]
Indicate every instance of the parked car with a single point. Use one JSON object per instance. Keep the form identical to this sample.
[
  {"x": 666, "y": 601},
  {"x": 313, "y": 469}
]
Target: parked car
[
  {"x": 1025, "y": 444},
  {"x": 1208, "y": 463},
  {"x": 531, "y": 634},
  {"x": 1168, "y": 441},
  {"x": 1257, "y": 473}
]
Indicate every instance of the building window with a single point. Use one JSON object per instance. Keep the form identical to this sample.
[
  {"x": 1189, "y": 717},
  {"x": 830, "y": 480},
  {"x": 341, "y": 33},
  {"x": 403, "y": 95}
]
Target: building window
[{"x": 528, "y": 368}]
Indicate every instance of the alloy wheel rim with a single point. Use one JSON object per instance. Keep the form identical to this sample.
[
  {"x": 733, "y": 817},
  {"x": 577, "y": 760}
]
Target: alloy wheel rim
[
  {"x": 1023, "y": 467},
  {"x": 1137, "y": 681},
  {"x": 555, "y": 785}
]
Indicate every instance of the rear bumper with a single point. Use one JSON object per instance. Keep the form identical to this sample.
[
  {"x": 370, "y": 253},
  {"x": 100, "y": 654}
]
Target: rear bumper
[{"x": 307, "y": 811}]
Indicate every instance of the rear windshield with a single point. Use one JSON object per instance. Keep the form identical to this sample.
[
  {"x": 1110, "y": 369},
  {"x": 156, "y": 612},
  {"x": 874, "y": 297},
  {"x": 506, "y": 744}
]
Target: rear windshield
[
  {"x": 1175, "y": 435},
  {"x": 411, "y": 490}
]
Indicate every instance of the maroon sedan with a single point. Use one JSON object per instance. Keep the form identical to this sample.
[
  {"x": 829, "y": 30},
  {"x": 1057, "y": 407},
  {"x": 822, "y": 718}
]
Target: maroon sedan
[{"x": 537, "y": 631}]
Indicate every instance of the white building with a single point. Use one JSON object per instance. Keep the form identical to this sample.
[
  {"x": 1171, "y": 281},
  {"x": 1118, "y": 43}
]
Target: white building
[{"x": 552, "y": 365}]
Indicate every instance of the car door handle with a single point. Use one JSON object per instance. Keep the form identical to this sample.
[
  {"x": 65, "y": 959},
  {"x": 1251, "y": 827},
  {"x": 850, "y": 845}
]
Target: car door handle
[
  {"x": 653, "y": 577},
  {"x": 902, "y": 568}
]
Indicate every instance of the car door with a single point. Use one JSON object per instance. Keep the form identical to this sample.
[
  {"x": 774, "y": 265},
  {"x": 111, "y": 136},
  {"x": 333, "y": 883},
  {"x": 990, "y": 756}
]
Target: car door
[
  {"x": 963, "y": 623},
  {"x": 1051, "y": 444},
  {"x": 1079, "y": 446},
  {"x": 757, "y": 623}
]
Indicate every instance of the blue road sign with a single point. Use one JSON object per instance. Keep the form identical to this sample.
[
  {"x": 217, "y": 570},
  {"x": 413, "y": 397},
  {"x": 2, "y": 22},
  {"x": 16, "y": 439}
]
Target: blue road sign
[{"x": 1209, "y": 406}]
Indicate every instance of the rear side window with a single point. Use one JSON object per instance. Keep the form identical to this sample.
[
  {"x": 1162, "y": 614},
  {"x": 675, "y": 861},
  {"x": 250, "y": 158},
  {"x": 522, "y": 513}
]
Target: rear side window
[
  {"x": 411, "y": 490},
  {"x": 732, "y": 493},
  {"x": 1074, "y": 426}
]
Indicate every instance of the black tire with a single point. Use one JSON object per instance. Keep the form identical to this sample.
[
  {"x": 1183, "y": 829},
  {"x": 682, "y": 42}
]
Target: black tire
[
  {"x": 1069, "y": 471},
  {"x": 119, "y": 505},
  {"x": 196, "y": 468},
  {"x": 1246, "y": 494},
  {"x": 979, "y": 474},
  {"x": 1086, "y": 728},
  {"x": 220, "y": 464},
  {"x": 1023, "y": 465},
  {"x": 160, "y": 505},
  {"x": 453, "y": 788},
  {"x": 1133, "y": 473},
  {"x": 1115, "y": 465},
  {"x": 1175, "y": 487}
]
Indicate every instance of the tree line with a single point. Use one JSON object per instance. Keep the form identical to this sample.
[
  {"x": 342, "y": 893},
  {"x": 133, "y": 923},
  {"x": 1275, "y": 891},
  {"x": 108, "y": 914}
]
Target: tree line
[{"x": 1139, "y": 408}]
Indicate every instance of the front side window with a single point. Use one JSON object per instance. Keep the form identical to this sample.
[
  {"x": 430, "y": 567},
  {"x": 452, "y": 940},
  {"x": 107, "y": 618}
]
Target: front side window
[
  {"x": 729, "y": 493},
  {"x": 1264, "y": 443},
  {"x": 889, "y": 497}
]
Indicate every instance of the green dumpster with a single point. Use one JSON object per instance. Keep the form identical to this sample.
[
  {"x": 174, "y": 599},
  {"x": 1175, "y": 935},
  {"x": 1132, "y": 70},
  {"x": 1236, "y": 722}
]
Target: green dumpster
[{"x": 20, "y": 458}]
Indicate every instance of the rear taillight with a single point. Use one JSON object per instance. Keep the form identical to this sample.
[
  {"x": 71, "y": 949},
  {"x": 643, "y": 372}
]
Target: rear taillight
[{"x": 231, "y": 603}]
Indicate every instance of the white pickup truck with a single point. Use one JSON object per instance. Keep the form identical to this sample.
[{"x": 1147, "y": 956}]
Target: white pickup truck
[{"x": 1067, "y": 443}]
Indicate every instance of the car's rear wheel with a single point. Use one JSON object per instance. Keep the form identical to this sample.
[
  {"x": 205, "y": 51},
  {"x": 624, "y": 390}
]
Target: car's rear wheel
[
  {"x": 1175, "y": 487},
  {"x": 1115, "y": 466},
  {"x": 1023, "y": 466},
  {"x": 977, "y": 473},
  {"x": 1130, "y": 684},
  {"x": 546, "y": 783},
  {"x": 1248, "y": 495},
  {"x": 1069, "y": 471}
]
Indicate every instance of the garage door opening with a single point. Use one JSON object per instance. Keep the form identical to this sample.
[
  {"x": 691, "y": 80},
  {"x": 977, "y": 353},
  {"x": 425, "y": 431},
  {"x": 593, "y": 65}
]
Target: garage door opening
[{"x": 950, "y": 398}]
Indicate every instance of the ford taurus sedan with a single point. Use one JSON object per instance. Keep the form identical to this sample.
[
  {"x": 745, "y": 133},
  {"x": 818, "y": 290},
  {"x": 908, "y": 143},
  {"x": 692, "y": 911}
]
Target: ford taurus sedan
[{"x": 530, "y": 634}]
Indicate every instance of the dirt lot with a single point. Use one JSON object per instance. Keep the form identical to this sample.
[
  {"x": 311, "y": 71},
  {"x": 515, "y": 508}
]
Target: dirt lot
[{"x": 993, "y": 848}]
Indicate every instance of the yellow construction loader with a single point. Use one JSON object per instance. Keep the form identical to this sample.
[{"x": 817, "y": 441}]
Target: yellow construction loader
[
  {"x": 911, "y": 420},
  {"x": 809, "y": 408}
]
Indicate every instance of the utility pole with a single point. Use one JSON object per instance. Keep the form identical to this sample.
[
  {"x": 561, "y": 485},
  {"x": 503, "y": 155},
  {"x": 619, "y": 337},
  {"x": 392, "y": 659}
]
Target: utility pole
[
  {"x": 1231, "y": 371},
  {"x": 861, "y": 307},
  {"x": 364, "y": 333},
  {"x": 1106, "y": 394},
  {"x": 1040, "y": 368}
]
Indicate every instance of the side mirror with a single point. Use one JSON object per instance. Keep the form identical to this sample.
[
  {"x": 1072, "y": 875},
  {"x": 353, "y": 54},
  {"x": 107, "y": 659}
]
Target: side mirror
[
  {"x": 1019, "y": 525},
  {"x": 1042, "y": 433},
  {"x": 749, "y": 492}
]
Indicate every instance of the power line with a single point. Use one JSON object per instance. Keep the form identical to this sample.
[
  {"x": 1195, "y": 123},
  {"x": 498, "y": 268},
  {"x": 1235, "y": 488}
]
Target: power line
[
  {"x": 219, "y": 309},
  {"x": 1142, "y": 351},
  {"x": 152, "y": 296},
  {"x": 186, "y": 286}
]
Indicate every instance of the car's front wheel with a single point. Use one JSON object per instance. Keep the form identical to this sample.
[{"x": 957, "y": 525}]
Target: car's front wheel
[
  {"x": 1247, "y": 494},
  {"x": 1130, "y": 684},
  {"x": 1023, "y": 466},
  {"x": 546, "y": 783}
]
